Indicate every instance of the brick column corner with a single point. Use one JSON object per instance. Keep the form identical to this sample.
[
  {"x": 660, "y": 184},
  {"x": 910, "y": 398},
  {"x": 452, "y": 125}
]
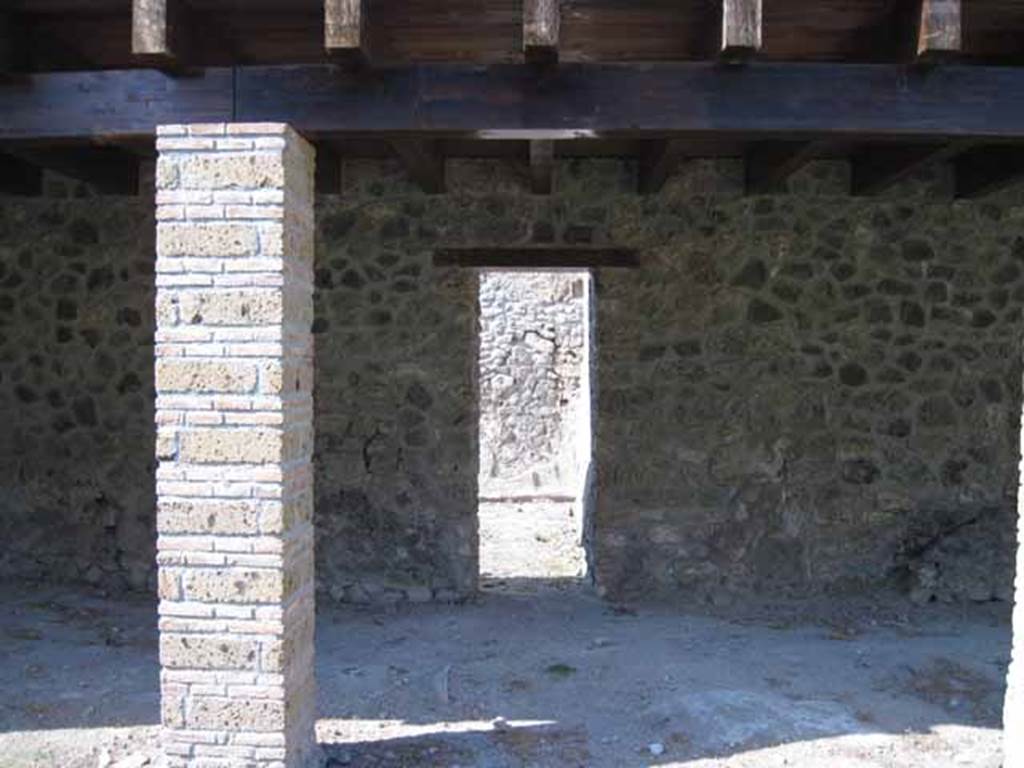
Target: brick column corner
[
  {"x": 234, "y": 364},
  {"x": 1013, "y": 713}
]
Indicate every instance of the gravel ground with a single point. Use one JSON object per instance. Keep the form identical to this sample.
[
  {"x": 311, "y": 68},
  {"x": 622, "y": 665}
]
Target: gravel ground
[
  {"x": 543, "y": 674},
  {"x": 531, "y": 539}
]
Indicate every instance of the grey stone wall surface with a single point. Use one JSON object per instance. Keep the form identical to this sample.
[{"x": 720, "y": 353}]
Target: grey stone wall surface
[
  {"x": 532, "y": 357},
  {"x": 809, "y": 392},
  {"x": 76, "y": 391},
  {"x": 396, "y": 393},
  {"x": 795, "y": 393}
]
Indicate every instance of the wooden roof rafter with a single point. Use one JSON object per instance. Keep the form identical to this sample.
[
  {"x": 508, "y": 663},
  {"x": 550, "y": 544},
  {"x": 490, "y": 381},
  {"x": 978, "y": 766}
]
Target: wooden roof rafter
[
  {"x": 741, "y": 29},
  {"x": 160, "y": 33},
  {"x": 542, "y": 24},
  {"x": 345, "y": 30},
  {"x": 99, "y": 32},
  {"x": 940, "y": 30}
]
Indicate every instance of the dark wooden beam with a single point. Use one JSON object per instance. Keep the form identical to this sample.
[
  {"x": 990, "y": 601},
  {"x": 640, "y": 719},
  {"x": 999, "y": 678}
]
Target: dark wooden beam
[
  {"x": 14, "y": 48},
  {"x": 657, "y": 161},
  {"x": 7, "y": 40},
  {"x": 632, "y": 99},
  {"x": 108, "y": 170},
  {"x": 160, "y": 33},
  {"x": 18, "y": 177},
  {"x": 536, "y": 258},
  {"x": 741, "y": 29},
  {"x": 770, "y": 163},
  {"x": 328, "y": 169},
  {"x": 939, "y": 34},
  {"x": 542, "y": 21},
  {"x": 542, "y": 166},
  {"x": 877, "y": 168},
  {"x": 116, "y": 104},
  {"x": 345, "y": 29},
  {"x": 984, "y": 170},
  {"x": 759, "y": 102},
  {"x": 424, "y": 162}
]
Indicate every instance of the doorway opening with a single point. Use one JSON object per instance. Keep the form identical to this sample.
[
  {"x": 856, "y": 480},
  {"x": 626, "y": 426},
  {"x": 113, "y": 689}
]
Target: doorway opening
[{"x": 536, "y": 423}]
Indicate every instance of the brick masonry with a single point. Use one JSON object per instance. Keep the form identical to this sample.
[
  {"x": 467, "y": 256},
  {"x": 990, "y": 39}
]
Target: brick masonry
[
  {"x": 1013, "y": 713},
  {"x": 234, "y": 415}
]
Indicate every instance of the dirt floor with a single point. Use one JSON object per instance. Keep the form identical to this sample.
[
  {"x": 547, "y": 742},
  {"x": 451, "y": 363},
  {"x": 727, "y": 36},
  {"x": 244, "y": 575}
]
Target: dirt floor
[
  {"x": 531, "y": 538},
  {"x": 542, "y": 675}
]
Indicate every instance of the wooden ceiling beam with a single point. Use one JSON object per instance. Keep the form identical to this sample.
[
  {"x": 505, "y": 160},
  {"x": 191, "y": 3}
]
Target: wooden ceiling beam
[
  {"x": 876, "y": 169},
  {"x": 7, "y": 41},
  {"x": 940, "y": 30},
  {"x": 424, "y": 162},
  {"x": 770, "y": 163},
  {"x": 542, "y": 166},
  {"x": 14, "y": 52},
  {"x": 658, "y": 160},
  {"x": 741, "y": 30},
  {"x": 542, "y": 21},
  {"x": 328, "y": 175},
  {"x": 18, "y": 177},
  {"x": 160, "y": 33},
  {"x": 108, "y": 170},
  {"x": 984, "y": 170},
  {"x": 537, "y": 257},
  {"x": 863, "y": 102},
  {"x": 345, "y": 29}
]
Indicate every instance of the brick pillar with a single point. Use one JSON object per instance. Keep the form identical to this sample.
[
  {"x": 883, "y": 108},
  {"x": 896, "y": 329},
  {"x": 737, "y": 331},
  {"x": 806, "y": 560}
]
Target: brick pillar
[
  {"x": 1013, "y": 713},
  {"x": 234, "y": 364}
]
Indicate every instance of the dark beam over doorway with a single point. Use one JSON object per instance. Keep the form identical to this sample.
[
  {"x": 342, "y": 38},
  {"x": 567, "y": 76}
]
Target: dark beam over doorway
[{"x": 536, "y": 258}]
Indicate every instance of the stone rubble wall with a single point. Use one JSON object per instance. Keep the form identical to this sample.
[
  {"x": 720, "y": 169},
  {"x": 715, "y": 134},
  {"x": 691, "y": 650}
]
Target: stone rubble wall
[
  {"x": 532, "y": 357},
  {"x": 810, "y": 391},
  {"x": 796, "y": 393},
  {"x": 396, "y": 395},
  {"x": 76, "y": 391}
]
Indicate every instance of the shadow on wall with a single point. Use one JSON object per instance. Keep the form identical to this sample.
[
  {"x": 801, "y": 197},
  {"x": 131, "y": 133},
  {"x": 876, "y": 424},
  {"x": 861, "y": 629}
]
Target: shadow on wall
[
  {"x": 396, "y": 405},
  {"x": 77, "y": 493},
  {"x": 810, "y": 393}
]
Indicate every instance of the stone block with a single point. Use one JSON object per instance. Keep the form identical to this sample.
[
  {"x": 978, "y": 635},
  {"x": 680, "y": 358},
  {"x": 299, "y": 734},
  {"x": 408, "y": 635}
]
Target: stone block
[
  {"x": 179, "y": 651},
  {"x": 208, "y": 171},
  {"x": 234, "y": 585},
  {"x": 207, "y": 516},
  {"x": 205, "y": 376},
  {"x": 234, "y": 308},
  {"x": 225, "y": 240},
  {"x": 209, "y": 713},
  {"x": 231, "y": 446}
]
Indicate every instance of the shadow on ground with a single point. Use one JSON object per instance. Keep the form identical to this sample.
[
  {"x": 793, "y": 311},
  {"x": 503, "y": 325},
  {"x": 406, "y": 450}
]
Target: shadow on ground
[
  {"x": 544, "y": 674},
  {"x": 537, "y": 673}
]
